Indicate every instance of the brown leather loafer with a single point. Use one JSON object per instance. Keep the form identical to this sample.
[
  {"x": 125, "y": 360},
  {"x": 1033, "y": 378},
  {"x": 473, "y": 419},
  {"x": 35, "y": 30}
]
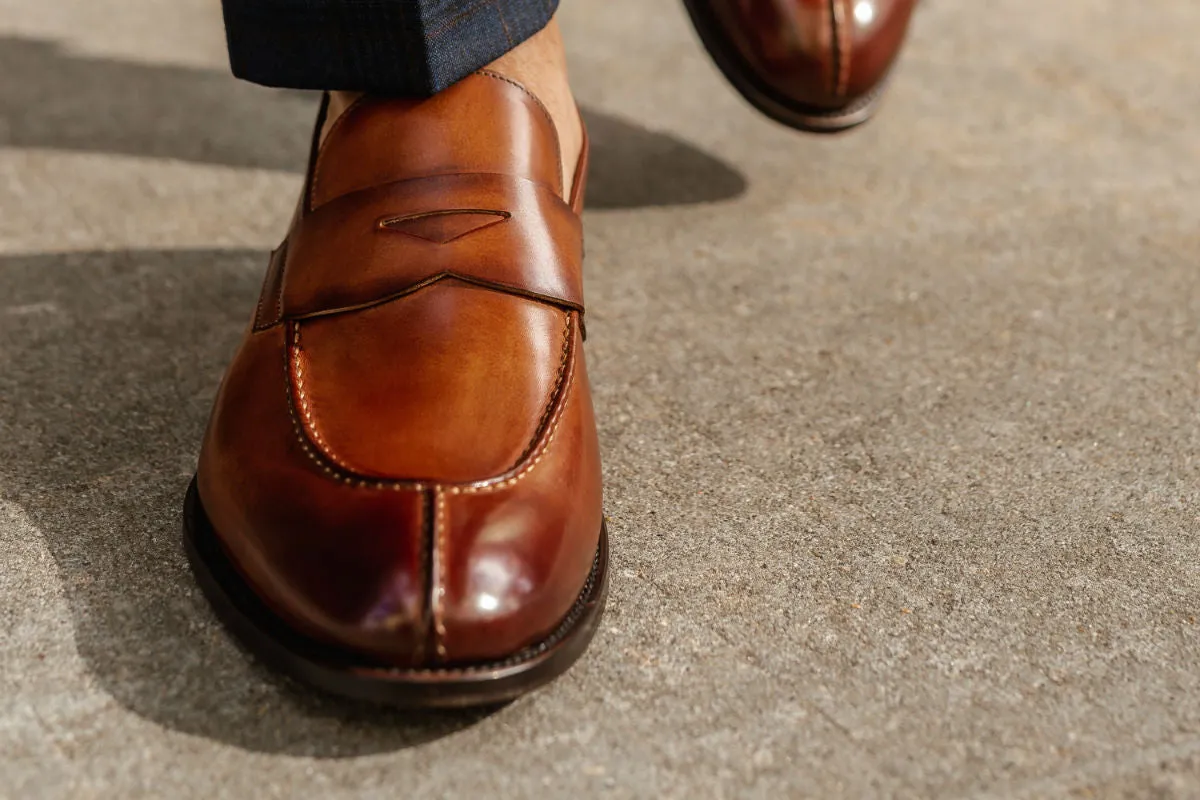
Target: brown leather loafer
[
  {"x": 815, "y": 65},
  {"x": 398, "y": 496}
]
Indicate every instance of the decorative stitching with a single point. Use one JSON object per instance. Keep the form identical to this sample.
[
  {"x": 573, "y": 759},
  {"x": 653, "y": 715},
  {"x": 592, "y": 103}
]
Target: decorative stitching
[
  {"x": 332, "y": 467},
  {"x": 390, "y": 223},
  {"x": 305, "y": 406},
  {"x": 549, "y": 409},
  {"x": 568, "y": 623},
  {"x": 543, "y": 447},
  {"x": 545, "y": 112},
  {"x": 439, "y": 582},
  {"x": 323, "y": 460}
]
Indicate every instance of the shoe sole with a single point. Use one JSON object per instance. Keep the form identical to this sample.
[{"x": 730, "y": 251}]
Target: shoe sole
[
  {"x": 766, "y": 99},
  {"x": 350, "y": 675}
]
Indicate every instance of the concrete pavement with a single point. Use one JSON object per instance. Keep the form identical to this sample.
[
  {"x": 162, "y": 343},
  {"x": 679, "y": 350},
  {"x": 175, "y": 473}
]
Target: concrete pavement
[{"x": 900, "y": 427}]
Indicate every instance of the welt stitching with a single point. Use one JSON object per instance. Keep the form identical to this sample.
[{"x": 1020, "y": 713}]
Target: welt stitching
[
  {"x": 545, "y": 112},
  {"x": 321, "y": 149},
  {"x": 541, "y": 449},
  {"x": 501, "y": 216},
  {"x": 322, "y": 460},
  {"x": 549, "y": 409}
]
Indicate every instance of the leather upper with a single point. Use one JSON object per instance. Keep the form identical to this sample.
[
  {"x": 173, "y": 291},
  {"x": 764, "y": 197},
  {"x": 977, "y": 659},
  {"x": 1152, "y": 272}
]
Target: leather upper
[
  {"x": 823, "y": 54},
  {"x": 402, "y": 458}
]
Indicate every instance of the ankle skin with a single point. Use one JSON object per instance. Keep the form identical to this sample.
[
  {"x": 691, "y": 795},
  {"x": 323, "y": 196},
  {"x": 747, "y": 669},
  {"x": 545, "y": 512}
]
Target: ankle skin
[{"x": 539, "y": 64}]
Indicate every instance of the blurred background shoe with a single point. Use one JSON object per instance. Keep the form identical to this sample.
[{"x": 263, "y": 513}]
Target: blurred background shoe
[{"x": 814, "y": 65}]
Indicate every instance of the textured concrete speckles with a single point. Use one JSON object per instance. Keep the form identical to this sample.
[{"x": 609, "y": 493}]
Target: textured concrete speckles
[
  {"x": 150, "y": 203},
  {"x": 899, "y": 426}
]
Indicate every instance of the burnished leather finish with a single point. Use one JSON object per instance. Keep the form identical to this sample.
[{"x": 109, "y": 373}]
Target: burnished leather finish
[
  {"x": 416, "y": 407},
  {"x": 402, "y": 460},
  {"x": 813, "y": 64}
]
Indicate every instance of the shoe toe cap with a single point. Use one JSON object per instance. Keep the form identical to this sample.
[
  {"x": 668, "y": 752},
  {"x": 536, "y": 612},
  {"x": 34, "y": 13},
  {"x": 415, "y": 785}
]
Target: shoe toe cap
[
  {"x": 814, "y": 52},
  {"x": 509, "y": 572},
  {"x": 411, "y": 573}
]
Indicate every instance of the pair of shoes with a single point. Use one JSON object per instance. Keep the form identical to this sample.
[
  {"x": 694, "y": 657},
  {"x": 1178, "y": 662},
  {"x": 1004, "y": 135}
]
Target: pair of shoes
[
  {"x": 398, "y": 496},
  {"x": 815, "y": 65}
]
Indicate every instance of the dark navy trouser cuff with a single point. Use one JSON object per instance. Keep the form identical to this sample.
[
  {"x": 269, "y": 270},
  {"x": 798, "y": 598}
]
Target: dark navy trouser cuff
[{"x": 397, "y": 47}]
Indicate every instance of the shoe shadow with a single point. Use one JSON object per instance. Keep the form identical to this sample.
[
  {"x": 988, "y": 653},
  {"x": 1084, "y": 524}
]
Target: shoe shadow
[
  {"x": 632, "y": 167},
  {"x": 71, "y": 102},
  {"x": 108, "y": 365}
]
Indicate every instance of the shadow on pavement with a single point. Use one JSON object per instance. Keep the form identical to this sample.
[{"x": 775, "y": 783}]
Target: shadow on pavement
[
  {"x": 107, "y": 368},
  {"x": 60, "y": 100}
]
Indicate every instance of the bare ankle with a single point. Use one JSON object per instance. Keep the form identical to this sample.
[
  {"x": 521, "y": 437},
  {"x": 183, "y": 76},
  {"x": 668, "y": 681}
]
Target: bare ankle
[
  {"x": 540, "y": 65},
  {"x": 339, "y": 102}
]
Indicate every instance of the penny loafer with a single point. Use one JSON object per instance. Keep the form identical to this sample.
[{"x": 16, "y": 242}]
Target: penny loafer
[
  {"x": 814, "y": 65},
  {"x": 398, "y": 496}
]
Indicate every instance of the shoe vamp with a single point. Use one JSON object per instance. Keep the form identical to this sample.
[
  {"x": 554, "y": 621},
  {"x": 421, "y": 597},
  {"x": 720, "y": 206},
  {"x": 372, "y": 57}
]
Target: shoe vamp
[{"x": 450, "y": 384}]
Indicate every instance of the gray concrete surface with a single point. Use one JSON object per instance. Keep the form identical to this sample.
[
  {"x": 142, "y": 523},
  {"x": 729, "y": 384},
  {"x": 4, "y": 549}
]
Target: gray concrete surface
[{"x": 900, "y": 427}]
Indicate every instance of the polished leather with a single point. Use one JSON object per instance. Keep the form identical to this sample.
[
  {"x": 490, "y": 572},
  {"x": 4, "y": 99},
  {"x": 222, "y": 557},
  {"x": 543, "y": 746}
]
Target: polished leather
[
  {"x": 402, "y": 460},
  {"x": 823, "y": 54}
]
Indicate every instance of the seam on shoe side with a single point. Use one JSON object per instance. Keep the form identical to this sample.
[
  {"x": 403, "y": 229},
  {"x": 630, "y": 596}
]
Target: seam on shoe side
[
  {"x": 278, "y": 257},
  {"x": 258, "y": 321},
  {"x": 322, "y": 149}
]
